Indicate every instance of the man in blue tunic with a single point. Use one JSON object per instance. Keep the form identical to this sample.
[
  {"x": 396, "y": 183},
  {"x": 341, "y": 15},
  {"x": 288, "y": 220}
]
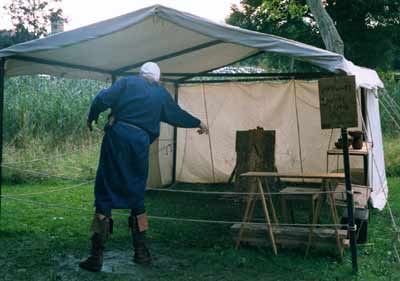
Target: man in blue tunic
[{"x": 138, "y": 104}]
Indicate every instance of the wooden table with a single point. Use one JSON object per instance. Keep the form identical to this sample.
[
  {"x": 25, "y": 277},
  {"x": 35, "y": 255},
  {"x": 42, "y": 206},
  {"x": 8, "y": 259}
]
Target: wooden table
[
  {"x": 295, "y": 194},
  {"x": 250, "y": 202}
]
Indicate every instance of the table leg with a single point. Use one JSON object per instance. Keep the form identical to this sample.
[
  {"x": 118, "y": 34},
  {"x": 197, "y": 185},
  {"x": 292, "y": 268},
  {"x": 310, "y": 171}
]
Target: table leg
[
  {"x": 332, "y": 204},
  {"x": 284, "y": 209},
  {"x": 268, "y": 221},
  {"x": 271, "y": 203},
  {"x": 291, "y": 208},
  {"x": 247, "y": 213},
  {"x": 311, "y": 218},
  {"x": 317, "y": 213},
  {"x": 327, "y": 162},
  {"x": 365, "y": 158}
]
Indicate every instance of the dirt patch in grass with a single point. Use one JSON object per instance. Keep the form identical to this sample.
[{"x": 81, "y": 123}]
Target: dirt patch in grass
[{"x": 119, "y": 262}]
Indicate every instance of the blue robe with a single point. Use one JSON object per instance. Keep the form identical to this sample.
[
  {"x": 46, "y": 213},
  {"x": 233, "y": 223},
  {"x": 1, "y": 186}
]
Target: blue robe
[{"x": 138, "y": 107}]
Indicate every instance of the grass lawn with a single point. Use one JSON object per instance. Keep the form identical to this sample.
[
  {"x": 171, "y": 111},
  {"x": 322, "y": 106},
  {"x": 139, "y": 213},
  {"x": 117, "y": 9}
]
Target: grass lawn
[{"x": 45, "y": 243}]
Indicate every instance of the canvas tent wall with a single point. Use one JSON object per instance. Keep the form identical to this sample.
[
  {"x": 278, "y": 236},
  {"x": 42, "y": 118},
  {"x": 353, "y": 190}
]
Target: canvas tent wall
[
  {"x": 291, "y": 108},
  {"x": 184, "y": 45}
]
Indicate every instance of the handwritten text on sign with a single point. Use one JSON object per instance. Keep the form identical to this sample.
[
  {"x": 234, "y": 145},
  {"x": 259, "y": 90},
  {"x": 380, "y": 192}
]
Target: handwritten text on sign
[{"x": 338, "y": 105}]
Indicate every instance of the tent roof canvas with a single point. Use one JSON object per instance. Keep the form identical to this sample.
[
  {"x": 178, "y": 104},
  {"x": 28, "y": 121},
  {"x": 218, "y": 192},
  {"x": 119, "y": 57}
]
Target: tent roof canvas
[{"x": 179, "y": 42}]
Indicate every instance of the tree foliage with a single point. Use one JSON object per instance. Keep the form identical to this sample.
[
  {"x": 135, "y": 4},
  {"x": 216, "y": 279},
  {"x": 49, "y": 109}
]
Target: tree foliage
[
  {"x": 370, "y": 29},
  {"x": 277, "y": 18},
  {"x": 31, "y": 19}
]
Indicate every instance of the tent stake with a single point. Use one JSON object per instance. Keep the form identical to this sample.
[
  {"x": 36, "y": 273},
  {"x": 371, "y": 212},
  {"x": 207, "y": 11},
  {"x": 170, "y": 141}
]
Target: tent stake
[
  {"x": 350, "y": 202},
  {"x": 2, "y": 79}
]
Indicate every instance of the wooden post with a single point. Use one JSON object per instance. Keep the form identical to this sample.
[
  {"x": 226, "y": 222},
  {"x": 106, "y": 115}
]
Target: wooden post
[
  {"x": 350, "y": 202},
  {"x": 364, "y": 113},
  {"x": 2, "y": 80},
  {"x": 338, "y": 109}
]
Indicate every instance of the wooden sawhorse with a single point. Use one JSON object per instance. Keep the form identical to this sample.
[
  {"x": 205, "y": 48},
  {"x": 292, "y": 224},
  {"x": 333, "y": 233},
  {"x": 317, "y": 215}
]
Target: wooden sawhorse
[
  {"x": 266, "y": 200},
  {"x": 257, "y": 190}
]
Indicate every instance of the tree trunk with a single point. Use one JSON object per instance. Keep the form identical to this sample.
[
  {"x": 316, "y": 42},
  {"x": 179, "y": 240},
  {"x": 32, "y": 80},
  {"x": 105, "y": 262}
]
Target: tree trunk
[{"x": 332, "y": 40}]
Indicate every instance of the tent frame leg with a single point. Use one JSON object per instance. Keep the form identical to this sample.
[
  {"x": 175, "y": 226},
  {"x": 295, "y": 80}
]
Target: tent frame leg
[
  {"x": 176, "y": 96},
  {"x": 2, "y": 82},
  {"x": 350, "y": 201}
]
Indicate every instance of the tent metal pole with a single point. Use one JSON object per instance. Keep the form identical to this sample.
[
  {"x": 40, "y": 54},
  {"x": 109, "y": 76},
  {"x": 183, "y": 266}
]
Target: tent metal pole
[
  {"x": 224, "y": 76},
  {"x": 229, "y": 64},
  {"x": 365, "y": 129},
  {"x": 62, "y": 64},
  {"x": 350, "y": 202},
  {"x": 263, "y": 74},
  {"x": 2, "y": 80},
  {"x": 176, "y": 95},
  {"x": 170, "y": 56},
  {"x": 247, "y": 80}
]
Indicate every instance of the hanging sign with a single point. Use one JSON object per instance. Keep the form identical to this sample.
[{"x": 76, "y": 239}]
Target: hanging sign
[{"x": 338, "y": 105}]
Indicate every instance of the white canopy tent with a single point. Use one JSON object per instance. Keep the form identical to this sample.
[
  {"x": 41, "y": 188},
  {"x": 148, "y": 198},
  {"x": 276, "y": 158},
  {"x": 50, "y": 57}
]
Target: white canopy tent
[{"x": 185, "y": 46}]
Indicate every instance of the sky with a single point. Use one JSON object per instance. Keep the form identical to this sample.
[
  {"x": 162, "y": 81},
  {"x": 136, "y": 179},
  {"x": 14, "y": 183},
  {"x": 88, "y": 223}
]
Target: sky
[{"x": 84, "y": 12}]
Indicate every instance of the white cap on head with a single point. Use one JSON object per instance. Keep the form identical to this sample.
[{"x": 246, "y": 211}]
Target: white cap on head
[{"x": 151, "y": 71}]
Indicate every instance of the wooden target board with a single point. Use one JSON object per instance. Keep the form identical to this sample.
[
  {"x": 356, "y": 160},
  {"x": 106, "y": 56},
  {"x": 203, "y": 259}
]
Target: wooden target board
[{"x": 338, "y": 104}]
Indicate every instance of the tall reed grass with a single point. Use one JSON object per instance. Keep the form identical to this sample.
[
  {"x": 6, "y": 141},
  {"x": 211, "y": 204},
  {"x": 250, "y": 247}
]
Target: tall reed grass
[{"x": 45, "y": 117}]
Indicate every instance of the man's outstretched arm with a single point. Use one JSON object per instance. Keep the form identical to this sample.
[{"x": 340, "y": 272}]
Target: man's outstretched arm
[{"x": 174, "y": 115}]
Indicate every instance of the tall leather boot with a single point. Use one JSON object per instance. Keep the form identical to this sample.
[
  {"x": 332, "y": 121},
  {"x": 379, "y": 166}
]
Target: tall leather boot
[
  {"x": 101, "y": 228},
  {"x": 138, "y": 226}
]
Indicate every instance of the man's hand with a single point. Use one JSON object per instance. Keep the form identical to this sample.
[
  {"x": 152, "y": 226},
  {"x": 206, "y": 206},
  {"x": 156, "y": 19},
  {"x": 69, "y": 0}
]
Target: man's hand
[
  {"x": 203, "y": 129},
  {"x": 90, "y": 124}
]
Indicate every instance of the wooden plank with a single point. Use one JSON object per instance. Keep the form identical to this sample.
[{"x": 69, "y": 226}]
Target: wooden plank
[
  {"x": 299, "y": 240},
  {"x": 287, "y": 243},
  {"x": 295, "y": 175},
  {"x": 301, "y": 190},
  {"x": 363, "y": 151},
  {"x": 292, "y": 230},
  {"x": 300, "y": 193},
  {"x": 290, "y": 235}
]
